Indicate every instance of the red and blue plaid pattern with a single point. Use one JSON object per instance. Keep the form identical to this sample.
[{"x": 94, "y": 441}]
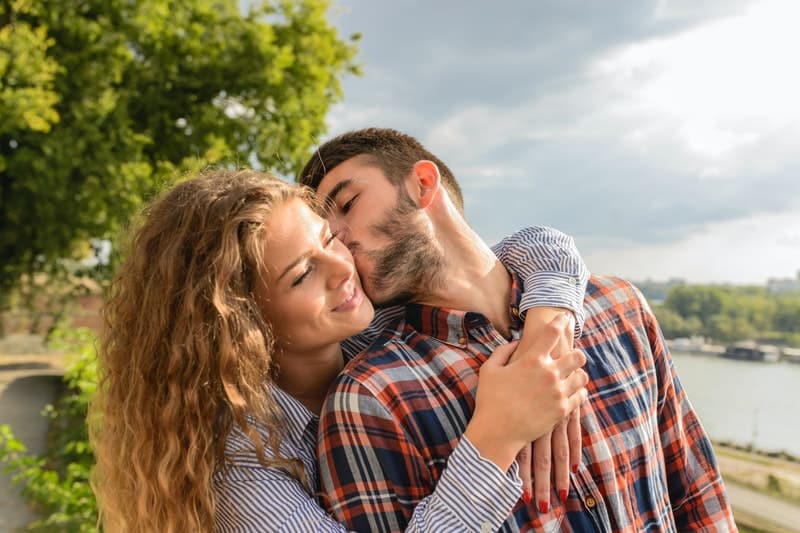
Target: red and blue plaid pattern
[{"x": 399, "y": 409}]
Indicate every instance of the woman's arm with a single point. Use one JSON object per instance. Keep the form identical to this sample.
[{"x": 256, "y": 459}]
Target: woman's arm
[
  {"x": 547, "y": 261},
  {"x": 551, "y": 268},
  {"x": 473, "y": 493},
  {"x": 554, "y": 279}
]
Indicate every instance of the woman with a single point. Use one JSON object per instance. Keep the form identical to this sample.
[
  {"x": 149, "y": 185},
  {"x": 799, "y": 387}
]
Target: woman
[{"x": 222, "y": 335}]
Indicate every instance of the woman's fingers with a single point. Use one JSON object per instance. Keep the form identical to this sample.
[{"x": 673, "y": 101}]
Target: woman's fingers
[
  {"x": 541, "y": 471},
  {"x": 524, "y": 461},
  {"x": 574, "y": 438},
  {"x": 560, "y": 447}
]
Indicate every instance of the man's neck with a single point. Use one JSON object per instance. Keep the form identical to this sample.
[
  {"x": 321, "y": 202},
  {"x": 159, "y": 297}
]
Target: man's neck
[
  {"x": 307, "y": 376},
  {"x": 474, "y": 279}
]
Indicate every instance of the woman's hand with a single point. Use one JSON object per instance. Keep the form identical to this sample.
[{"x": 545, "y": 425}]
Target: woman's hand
[
  {"x": 522, "y": 399},
  {"x": 558, "y": 452}
]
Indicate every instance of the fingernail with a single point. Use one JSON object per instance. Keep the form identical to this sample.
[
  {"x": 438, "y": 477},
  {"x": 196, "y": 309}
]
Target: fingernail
[
  {"x": 562, "y": 494},
  {"x": 574, "y": 469},
  {"x": 543, "y": 506},
  {"x": 526, "y": 496}
]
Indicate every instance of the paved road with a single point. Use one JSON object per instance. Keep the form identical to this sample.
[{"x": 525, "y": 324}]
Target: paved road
[
  {"x": 27, "y": 384},
  {"x": 769, "y": 513}
]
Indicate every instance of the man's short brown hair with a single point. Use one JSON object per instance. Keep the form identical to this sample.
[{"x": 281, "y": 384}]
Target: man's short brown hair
[{"x": 390, "y": 150}]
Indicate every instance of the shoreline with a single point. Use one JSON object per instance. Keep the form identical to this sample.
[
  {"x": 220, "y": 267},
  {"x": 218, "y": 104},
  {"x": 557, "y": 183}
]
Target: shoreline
[
  {"x": 763, "y": 487},
  {"x": 780, "y": 455}
]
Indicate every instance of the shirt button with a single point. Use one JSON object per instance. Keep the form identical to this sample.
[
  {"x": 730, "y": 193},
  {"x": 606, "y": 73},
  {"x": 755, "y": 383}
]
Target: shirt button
[
  {"x": 573, "y": 281},
  {"x": 486, "y": 527},
  {"x": 590, "y": 503},
  {"x": 462, "y": 340}
]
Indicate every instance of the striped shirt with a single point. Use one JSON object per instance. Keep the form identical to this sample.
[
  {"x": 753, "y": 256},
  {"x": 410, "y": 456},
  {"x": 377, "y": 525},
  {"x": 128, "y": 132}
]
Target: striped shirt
[
  {"x": 471, "y": 492},
  {"x": 398, "y": 410}
]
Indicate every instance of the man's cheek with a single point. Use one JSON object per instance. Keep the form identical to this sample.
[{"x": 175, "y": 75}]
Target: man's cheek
[{"x": 364, "y": 266}]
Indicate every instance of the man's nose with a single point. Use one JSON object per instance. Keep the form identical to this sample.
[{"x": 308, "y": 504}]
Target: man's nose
[
  {"x": 341, "y": 269},
  {"x": 341, "y": 230}
]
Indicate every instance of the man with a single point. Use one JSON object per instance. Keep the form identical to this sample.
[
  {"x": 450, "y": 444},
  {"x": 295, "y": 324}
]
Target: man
[{"x": 647, "y": 462}]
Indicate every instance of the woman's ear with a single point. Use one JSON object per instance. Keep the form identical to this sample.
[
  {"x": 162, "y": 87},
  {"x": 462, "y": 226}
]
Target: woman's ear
[{"x": 426, "y": 182}]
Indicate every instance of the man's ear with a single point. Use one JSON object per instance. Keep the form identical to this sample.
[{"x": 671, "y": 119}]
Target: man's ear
[{"x": 426, "y": 182}]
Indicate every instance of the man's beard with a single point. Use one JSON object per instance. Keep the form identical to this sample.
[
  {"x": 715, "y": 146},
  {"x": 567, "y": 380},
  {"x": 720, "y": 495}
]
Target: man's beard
[{"x": 411, "y": 266}]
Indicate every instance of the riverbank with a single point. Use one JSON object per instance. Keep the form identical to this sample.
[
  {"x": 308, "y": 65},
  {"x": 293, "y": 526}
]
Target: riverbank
[
  {"x": 764, "y": 488},
  {"x": 776, "y": 477}
]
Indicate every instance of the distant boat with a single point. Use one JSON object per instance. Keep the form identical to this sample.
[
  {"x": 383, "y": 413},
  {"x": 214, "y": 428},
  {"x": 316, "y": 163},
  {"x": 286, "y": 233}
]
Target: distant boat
[
  {"x": 791, "y": 354},
  {"x": 752, "y": 351},
  {"x": 695, "y": 345}
]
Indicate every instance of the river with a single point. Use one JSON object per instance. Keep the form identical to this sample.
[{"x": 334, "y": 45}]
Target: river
[{"x": 745, "y": 402}]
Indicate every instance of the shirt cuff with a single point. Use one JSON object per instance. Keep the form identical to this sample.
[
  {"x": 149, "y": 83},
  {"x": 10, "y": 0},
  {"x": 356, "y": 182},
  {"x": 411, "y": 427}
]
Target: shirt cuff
[
  {"x": 476, "y": 490},
  {"x": 555, "y": 289}
]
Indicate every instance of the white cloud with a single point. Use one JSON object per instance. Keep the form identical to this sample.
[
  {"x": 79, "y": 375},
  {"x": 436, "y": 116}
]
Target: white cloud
[
  {"x": 749, "y": 250},
  {"x": 723, "y": 84}
]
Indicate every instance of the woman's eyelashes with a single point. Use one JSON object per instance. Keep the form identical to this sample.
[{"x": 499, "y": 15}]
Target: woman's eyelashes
[
  {"x": 302, "y": 276},
  {"x": 309, "y": 267},
  {"x": 332, "y": 238}
]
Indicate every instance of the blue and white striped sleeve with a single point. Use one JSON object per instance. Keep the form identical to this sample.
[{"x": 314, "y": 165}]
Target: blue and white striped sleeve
[
  {"x": 552, "y": 270},
  {"x": 472, "y": 494},
  {"x": 253, "y": 500}
]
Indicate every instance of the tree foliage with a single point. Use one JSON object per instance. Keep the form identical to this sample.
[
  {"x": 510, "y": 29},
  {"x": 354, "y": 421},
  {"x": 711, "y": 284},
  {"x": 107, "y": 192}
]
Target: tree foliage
[
  {"x": 728, "y": 314},
  {"x": 103, "y": 101}
]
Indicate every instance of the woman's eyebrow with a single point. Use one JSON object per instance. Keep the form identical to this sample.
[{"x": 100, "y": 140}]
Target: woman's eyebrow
[{"x": 325, "y": 230}]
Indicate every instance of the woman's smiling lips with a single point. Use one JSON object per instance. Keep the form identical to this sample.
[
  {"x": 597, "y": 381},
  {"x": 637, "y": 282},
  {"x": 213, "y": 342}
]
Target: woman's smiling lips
[{"x": 353, "y": 300}]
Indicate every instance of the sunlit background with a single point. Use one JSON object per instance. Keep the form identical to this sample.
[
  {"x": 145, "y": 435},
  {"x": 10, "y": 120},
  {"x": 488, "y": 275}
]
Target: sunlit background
[{"x": 663, "y": 135}]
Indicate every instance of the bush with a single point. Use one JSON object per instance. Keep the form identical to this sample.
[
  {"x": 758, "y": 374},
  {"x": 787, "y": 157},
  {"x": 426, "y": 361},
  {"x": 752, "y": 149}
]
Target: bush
[{"x": 57, "y": 483}]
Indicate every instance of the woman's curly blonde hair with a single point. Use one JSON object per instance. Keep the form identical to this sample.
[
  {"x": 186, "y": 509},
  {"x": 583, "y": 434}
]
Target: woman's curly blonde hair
[{"x": 185, "y": 354}]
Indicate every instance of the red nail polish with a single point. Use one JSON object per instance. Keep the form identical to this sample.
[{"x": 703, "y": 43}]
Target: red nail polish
[
  {"x": 543, "y": 506},
  {"x": 562, "y": 494},
  {"x": 526, "y": 496},
  {"x": 574, "y": 469}
]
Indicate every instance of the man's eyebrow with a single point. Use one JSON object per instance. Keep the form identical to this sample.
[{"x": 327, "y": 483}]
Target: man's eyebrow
[
  {"x": 331, "y": 197},
  {"x": 325, "y": 230}
]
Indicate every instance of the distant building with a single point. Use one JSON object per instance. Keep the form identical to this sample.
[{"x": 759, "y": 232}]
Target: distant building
[{"x": 784, "y": 284}]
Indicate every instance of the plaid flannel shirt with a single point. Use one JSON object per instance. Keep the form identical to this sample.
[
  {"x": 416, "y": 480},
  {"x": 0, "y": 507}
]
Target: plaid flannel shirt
[{"x": 396, "y": 412}]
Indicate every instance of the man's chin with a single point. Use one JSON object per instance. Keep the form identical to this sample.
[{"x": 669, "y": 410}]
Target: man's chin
[{"x": 388, "y": 298}]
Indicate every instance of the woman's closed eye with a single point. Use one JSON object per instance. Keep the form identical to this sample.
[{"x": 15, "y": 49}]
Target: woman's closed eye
[
  {"x": 298, "y": 280},
  {"x": 310, "y": 267}
]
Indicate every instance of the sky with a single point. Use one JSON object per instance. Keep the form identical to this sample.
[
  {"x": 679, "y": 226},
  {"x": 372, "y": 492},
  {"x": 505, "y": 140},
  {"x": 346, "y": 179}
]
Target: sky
[{"x": 664, "y": 136}]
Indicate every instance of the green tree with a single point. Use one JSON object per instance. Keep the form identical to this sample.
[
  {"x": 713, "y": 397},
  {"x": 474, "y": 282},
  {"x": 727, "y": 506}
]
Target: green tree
[
  {"x": 103, "y": 101},
  {"x": 696, "y": 301},
  {"x": 674, "y": 325},
  {"x": 729, "y": 328},
  {"x": 787, "y": 315}
]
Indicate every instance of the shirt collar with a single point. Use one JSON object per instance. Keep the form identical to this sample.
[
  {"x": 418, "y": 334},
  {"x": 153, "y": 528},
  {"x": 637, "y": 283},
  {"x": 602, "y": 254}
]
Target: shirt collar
[
  {"x": 452, "y": 326},
  {"x": 300, "y": 421}
]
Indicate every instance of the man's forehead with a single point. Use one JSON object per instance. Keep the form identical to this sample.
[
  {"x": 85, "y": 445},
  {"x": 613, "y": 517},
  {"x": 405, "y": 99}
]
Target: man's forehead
[{"x": 349, "y": 171}]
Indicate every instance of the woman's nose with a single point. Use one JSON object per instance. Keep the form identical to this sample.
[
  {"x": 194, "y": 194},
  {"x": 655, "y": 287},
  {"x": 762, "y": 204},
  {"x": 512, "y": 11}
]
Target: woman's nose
[{"x": 341, "y": 268}]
